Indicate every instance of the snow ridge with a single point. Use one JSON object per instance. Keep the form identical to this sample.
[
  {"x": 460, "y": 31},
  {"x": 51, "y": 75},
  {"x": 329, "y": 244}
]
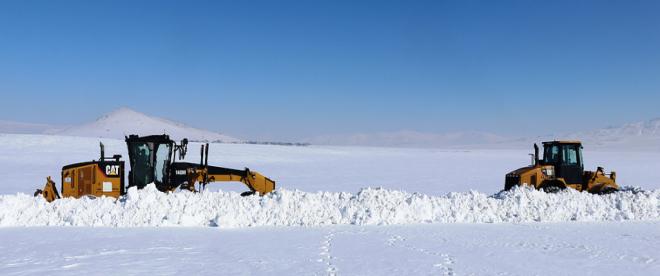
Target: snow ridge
[{"x": 149, "y": 207}]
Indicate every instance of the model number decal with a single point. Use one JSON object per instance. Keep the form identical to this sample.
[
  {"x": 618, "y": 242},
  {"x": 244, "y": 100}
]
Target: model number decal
[
  {"x": 112, "y": 170},
  {"x": 180, "y": 172}
]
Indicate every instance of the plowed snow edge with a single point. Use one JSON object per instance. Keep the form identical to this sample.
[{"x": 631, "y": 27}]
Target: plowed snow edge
[{"x": 148, "y": 207}]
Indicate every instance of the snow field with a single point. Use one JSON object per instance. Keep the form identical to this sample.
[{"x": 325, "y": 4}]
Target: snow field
[
  {"x": 149, "y": 207},
  {"x": 597, "y": 248},
  {"x": 614, "y": 234}
]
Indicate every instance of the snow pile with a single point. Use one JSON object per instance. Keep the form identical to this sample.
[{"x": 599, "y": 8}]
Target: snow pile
[{"x": 149, "y": 207}]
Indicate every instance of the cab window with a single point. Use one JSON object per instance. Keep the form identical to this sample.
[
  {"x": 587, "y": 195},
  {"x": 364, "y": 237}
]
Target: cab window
[
  {"x": 570, "y": 155},
  {"x": 162, "y": 160},
  {"x": 141, "y": 164},
  {"x": 551, "y": 154}
]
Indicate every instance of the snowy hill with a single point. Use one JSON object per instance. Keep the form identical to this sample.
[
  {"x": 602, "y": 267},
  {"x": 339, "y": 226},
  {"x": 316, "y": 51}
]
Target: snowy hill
[
  {"x": 126, "y": 121},
  {"x": 650, "y": 128},
  {"x": 638, "y": 136},
  {"x": 643, "y": 135}
]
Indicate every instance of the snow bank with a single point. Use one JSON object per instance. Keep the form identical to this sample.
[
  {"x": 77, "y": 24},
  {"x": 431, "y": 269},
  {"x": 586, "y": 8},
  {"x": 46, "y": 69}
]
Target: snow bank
[{"x": 370, "y": 206}]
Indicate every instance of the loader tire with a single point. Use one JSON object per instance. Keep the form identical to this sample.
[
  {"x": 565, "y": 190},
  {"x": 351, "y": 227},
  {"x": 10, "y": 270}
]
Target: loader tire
[
  {"x": 552, "y": 189},
  {"x": 247, "y": 193},
  {"x": 38, "y": 192},
  {"x": 608, "y": 190}
]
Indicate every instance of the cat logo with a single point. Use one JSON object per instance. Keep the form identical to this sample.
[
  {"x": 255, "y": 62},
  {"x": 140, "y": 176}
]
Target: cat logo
[{"x": 112, "y": 170}]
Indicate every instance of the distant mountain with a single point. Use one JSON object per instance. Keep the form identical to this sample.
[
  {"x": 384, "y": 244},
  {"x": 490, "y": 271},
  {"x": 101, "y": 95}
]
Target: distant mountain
[
  {"x": 25, "y": 128},
  {"x": 650, "y": 128},
  {"x": 126, "y": 121},
  {"x": 643, "y": 136},
  {"x": 409, "y": 139},
  {"x": 633, "y": 136}
]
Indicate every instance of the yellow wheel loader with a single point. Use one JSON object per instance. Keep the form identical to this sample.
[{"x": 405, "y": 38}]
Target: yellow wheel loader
[
  {"x": 561, "y": 167},
  {"x": 151, "y": 159}
]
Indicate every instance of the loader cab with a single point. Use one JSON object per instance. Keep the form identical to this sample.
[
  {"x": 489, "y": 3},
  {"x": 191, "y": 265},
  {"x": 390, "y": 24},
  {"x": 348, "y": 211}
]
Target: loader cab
[
  {"x": 150, "y": 159},
  {"x": 566, "y": 157}
]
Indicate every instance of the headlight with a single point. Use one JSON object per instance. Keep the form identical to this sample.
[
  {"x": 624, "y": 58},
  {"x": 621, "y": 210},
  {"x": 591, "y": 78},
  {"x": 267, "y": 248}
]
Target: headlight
[{"x": 549, "y": 172}]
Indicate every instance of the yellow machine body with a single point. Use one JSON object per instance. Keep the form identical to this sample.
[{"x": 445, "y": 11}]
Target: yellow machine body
[
  {"x": 537, "y": 177},
  {"x": 100, "y": 178},
  {"x": 562, "y": 169},
  {"x": 256, "y": 182},
  {"x": 49, "y": 192},
  {"x": 151, "y": 160},
  {"x": 95, "y": 178}
]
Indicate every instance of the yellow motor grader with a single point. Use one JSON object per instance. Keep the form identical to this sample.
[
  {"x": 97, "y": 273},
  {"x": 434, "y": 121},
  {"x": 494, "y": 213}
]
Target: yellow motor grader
[
  {"x": 151, "y": 159},
  {"x": 561, "y": 167}
]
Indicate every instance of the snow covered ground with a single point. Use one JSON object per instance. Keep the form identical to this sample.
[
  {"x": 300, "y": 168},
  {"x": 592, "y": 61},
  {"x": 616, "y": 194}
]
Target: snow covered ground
[
  {"x": 322, "y": 222},
  {"x": 433, "y": 249}
]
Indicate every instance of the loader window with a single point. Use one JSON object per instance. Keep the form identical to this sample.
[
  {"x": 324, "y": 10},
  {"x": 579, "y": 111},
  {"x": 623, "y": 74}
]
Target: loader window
[
  {"x": 570, "y": 155},
  {"x": 551, "y": 154},
  {"x": 580, "y": 160}
]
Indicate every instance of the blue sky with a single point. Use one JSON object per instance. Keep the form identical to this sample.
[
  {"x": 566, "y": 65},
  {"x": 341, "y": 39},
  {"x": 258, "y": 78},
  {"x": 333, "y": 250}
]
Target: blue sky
[{"x": 288, "y": 70}]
